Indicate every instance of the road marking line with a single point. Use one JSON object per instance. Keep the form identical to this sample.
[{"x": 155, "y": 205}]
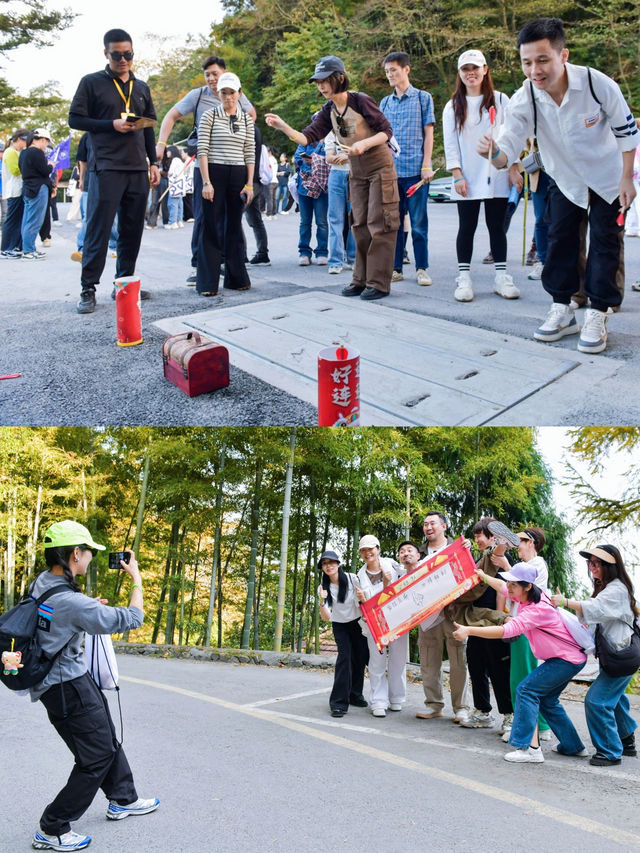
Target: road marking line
[
  {"x": 585, "y": 824},
  {"x": 283, "y": 698}
]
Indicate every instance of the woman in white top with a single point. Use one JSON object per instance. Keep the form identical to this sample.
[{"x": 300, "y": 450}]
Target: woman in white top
[
  {"x": 464, "y": 120},
  {"x": 376, "y": 573},
  {"x": 613, "y": 609},
  {"x": 339, "y": 603}
]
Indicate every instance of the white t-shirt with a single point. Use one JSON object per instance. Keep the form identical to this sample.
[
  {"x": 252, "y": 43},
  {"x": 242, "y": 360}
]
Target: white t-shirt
[{"x": 347, "y": 610}]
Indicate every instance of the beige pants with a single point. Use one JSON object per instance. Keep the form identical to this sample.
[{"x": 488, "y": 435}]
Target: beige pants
[
  {"x": 430, "y": 648},
  {"x": 375, "y": 216}
]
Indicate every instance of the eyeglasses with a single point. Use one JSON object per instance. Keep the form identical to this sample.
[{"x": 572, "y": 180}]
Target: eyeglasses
[
  {"x": 117, "y": 55},
  {"x": 594, "y": 564},
  {"x": 342, "y": 126}
]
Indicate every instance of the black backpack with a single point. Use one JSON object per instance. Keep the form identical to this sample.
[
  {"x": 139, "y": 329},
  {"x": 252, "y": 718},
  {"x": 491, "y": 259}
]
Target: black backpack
[{"x": 19, "y": 633}]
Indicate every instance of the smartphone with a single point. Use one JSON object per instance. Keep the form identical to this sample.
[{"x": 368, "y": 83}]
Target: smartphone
[{"x": 116, "y": 556}]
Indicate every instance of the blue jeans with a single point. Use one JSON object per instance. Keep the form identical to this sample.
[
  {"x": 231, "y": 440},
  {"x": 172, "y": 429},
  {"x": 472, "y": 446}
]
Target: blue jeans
[
  {"x": 176, "y": 209},
  {"x": 282, "y": 194},
  {"x": 338, "y": 207},
  {"x": 416, "y": 206},
  {"x": 310, "y": 207},
  {"x": 33, "y": 217},
  {"x": 539, "y": 691},
  {"x": 113, "y": 237},
  {"x": 539, "y": 206},
  {"x": 606, "y": 708}
]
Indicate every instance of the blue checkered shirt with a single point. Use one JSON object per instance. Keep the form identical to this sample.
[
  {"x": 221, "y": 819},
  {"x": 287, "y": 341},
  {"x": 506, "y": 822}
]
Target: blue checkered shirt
[{"x": 407, "y": 115}]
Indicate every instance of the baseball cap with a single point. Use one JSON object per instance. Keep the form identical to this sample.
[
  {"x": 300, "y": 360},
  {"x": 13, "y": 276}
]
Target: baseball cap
[
  {"x": 42, "y": 133},
  {"x": 328, "y": 555},
  {"x": 69, "y": 533},
  {"x": 368, "y": 541},
  {"x": 471, "y": 57},
  {"x": 326, "y": 66},
  {"x": 598, "y": 552},
  {"x": 520, "y": 572},
  {"x": 229, "y": 80}
]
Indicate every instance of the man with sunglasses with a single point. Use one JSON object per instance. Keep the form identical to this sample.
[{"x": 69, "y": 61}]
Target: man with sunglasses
[{"x": 104, "y": 105}]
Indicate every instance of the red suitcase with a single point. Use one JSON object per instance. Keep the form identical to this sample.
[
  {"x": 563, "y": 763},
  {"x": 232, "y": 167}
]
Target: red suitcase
[{"x": 195, "y": 365}]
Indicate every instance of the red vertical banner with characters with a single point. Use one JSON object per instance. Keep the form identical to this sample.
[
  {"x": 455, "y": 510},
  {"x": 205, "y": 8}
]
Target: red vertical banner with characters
[
  {"x": 435, "y": 582},
  {"x": 338, "y": 386}
]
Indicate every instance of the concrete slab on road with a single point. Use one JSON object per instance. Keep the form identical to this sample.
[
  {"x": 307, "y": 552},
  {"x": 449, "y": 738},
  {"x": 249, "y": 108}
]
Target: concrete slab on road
[
  {"x": 248, "y": 758},
  {"x": 413, "y": 370}
]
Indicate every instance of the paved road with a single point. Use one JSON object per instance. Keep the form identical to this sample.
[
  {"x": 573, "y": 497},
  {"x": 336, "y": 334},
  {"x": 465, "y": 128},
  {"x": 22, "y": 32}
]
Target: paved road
[
  {"x": 247, "y": 758},
  {"x": 73, "y": 373}
]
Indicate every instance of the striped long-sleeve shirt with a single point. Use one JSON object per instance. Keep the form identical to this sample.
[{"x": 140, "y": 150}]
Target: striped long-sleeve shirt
[{"x": 226, "y": 140}]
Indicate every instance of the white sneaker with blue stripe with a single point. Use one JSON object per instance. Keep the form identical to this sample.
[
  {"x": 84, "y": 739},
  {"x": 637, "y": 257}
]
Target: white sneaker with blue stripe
[
  {"x": 69, "y": 841},
  {"x": 117, "y": 812}
]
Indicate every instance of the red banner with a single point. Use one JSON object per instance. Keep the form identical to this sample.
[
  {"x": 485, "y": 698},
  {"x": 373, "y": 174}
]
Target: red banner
[{"x": 437, "y": 581}]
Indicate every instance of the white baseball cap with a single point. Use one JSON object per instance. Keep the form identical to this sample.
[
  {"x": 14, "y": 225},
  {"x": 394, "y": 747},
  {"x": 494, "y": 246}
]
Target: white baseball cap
[
  {"x": 229, "y": 80},
  {"x": 368, "y": 541},
  {"x": 42, "y": 133},
  {"x": 471, "y": 57}
]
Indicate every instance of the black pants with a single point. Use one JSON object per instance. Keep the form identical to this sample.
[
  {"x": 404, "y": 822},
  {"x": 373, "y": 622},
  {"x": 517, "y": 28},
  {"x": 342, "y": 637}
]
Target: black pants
[
  {"x": 227, "y": 207},
  {"x": 489, "y": 659},
  {"x": 12, "y": 225},
  {"x": 111, "y": 192},
  {"x": 353, "y": 656},
  {"x": 468, "y": 212},
  {"x": 84, "y": 723},
  {"x": 197, "y": 215},
  {"x": 560, "y": 276},
  {"x": 254, "y": 218},
  {"x": 45, "y": 228},
  {"x": 154, "y": 209}
]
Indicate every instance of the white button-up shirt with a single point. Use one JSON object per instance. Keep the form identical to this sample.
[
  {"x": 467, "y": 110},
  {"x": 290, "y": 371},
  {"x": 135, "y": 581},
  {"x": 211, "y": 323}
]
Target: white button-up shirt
[{"x": 580, "y": 141}]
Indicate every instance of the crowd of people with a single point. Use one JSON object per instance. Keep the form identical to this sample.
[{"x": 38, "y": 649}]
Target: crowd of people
[
  {"x": 361, "y": 174},
  {"x": 509, "y": 632}
]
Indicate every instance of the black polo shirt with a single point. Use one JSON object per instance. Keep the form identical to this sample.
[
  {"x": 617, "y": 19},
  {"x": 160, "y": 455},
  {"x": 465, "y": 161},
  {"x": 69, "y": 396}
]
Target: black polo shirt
[{"x": 96, "y": 103}]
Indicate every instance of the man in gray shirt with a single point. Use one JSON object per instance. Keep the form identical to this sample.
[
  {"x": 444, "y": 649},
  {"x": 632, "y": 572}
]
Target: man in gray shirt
[{"x": 195, "y": 103}]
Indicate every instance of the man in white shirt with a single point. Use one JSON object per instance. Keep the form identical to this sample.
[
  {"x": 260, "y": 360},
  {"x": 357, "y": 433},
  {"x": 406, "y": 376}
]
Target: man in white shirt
[
  {"x": 586, "y": 138},
  {"x": 431, "y": 634}
]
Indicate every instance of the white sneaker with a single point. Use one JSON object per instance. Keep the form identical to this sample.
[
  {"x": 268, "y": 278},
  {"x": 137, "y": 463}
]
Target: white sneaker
[
  {"x": 140, "y": 806},
  {"x": 560, "y": 321},
  {"x": 545, "y": 734},
  {"x": 180, "y": 223},
  {"x": 593, "y": 337},
  {"x": 523, "y": 756},
  {"x": 536, "y": 272},
  {"x": 507, "y": 725},
  {"x": 69, "y": 841},
  {"x": 504, "y": 286},
  {"x": 304, "y": 261},
  {"x": 379, "y": 712},
  {"x": 321, "y": 260},
  {"x": 479, "y": 720},
  {"x": 463, "y": 292},
  {"x": 463, "y": 717},
  {"x": 397, "y": 276},
  {"x": 423, "y": 278},
  {"x": 335, "y": 270},
  {"x": 395, "y": 706}
]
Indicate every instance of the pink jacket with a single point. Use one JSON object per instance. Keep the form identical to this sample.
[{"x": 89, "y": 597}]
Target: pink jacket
[{"x": 531, "y": 618}]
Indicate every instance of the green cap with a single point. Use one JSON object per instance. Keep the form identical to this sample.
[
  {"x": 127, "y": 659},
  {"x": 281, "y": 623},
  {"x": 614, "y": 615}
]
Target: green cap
[{"x": 69, "y": 533}]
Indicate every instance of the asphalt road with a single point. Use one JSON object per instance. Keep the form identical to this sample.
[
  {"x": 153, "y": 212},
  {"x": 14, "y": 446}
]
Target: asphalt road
[
  {"x": 247, "y": 758},
  {"x": 74, "y": 374}
]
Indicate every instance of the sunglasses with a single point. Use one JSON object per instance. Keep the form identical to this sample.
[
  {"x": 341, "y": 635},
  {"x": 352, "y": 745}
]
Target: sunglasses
[
  {"x": 233, "y": 120},
  {"x": 594, "y": 564},
  {"x": 342, "y": 126},
  {"x": 117, "y": 55}
]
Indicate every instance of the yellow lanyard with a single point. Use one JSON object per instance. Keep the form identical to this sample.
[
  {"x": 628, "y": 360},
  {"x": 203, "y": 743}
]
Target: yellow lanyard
[{"x": 127, "y": 101}]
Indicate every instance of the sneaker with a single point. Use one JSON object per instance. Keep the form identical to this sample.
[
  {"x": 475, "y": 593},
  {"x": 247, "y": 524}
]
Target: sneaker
[
  {"x": 46, "y": 242},
  {"x": 379, "y": 712},
  {"x": 560, "y": 321},
  {"x": 352, "y": 290},
  {"x": 536, "y": 272},
  {"x": 304, "y": 261},
  {"x": 150, "y": 227},
  {"x": 285, "y": 212},
  {"x": 117, "y": 812},
  {"x": 464, "y": 291},
  {"x": 260, "y": 260},
  {"x": 504, "y": 286},
  {"x": 532, "y": 256},
  {"x": 181, "y": 224},
  {"x": 507, "y": 725},
  {"x": 423, "y": 278},
  {"x": 394, "y": 706},
  {"x": 397, "y": 276},
  {"x": 479, "y": 720},
  {"x": 337, "y": 712},
  {"x": 523, "y": 756},
  {"x": 600, "y": 760},
  {"x": 76, "y": 256},
  {"x": 321, "y": 260},
  {"x": 87, "y": 302},
  {"x": 629, "y": 746},
  {"x": 506, "y": 734},
  {"x": 191, "y": 281},
  {"x": 501, "y": 531},
  {"x": 584, "y": 753},
  {"x": 34, "y": 256},
  {"x": 488, "y": 259},
  {"x": 359, "y": 703},
  {"x": 635, "y": 286},
  {"x": 56, "y": 223},
  {"x": 69, "y": 841},
  {"x": 593, "y": 337},
  {"x": 405, "y": 257},
  {"x": 430, "y": 714},
  {"x": 335, "y": 270},
  {"x": 462, "y": 717},
  {"x": 11, "y": 254},
  {"x": 348, "y": 265},
  {"x": 371, "y": 293},
  {"x": 545, "y": 734}
]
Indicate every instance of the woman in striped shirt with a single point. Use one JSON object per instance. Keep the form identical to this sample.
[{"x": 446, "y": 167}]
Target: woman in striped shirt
[{"x": 226, "y": 156}]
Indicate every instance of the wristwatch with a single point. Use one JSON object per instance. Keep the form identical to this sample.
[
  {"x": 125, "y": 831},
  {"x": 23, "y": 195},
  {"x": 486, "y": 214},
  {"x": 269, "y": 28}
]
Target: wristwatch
[{"x": 207, "y": 184}]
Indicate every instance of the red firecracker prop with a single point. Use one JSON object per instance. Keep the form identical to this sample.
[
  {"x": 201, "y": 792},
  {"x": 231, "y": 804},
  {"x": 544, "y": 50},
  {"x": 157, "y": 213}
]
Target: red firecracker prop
[
  {"x": 128, "y": 315},
  {"x": 338, "y": 386},
  {"x": 620, "y": 219},
  {"x": 492, "y": 119}
]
